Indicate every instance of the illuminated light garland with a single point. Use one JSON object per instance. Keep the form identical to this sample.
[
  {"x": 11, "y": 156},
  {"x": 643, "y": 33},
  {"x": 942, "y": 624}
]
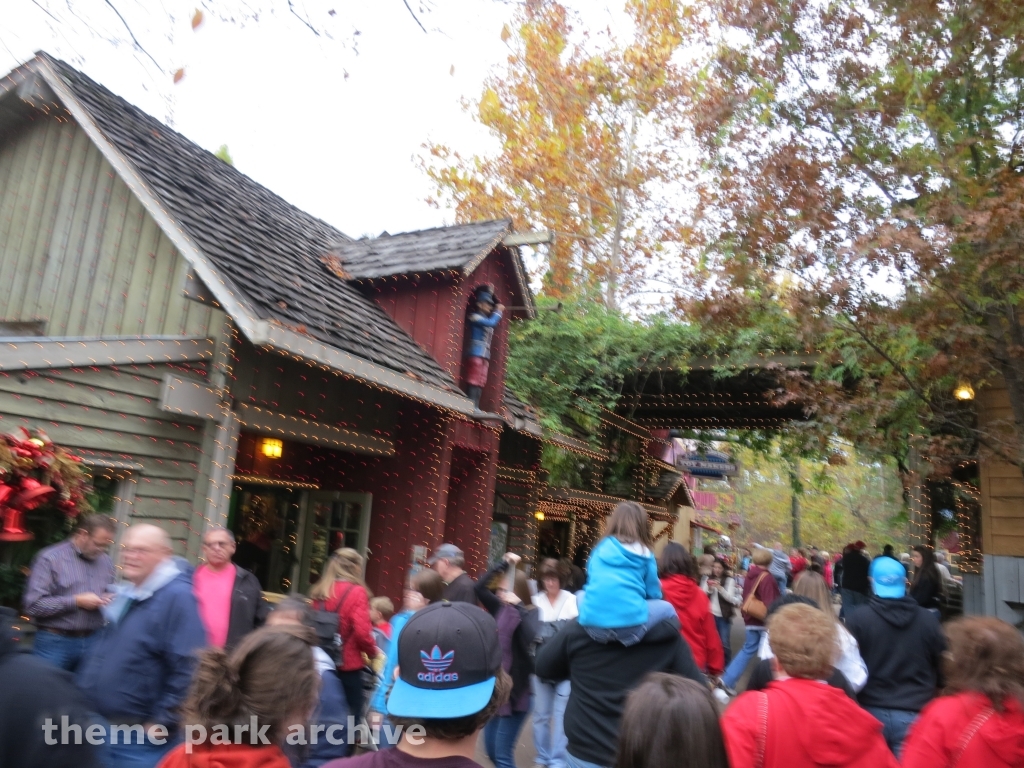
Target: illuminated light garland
[{"x": 273, "y": 482}]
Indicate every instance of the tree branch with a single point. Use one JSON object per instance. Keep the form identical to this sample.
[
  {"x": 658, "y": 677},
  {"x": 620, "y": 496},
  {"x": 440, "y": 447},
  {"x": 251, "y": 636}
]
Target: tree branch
[
  {"x": 132, "y": 34},
  {"x": 291, "y": 8},
  {"x": 414, "y": 17}
]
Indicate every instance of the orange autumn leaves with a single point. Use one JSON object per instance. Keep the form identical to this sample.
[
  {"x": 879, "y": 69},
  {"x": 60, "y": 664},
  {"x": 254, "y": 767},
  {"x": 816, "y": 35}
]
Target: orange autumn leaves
[
  {"x": 589, "y": 134},
  {"x": 197, "y": 20}
]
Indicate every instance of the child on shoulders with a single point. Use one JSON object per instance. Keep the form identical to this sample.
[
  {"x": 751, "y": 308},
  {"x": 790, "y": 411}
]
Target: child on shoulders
[{"x": 622, "y": 597}]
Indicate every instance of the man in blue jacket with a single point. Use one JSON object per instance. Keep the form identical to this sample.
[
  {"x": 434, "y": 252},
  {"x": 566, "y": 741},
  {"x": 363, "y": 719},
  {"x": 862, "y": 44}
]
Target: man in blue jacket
[{"x": 138, "y": 671}]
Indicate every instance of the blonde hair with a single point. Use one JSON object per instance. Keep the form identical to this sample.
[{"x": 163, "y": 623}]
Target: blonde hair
[
  {"x": 812, "y": 585},
  {"x": 804, "y": 640},
  {"x": 344, "y": 565},
  {"x": 762, "y": 557}
]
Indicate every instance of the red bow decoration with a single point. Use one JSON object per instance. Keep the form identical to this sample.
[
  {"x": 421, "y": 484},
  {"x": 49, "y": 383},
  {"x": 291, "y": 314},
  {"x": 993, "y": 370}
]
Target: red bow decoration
[{"x": 13, "y": 517}]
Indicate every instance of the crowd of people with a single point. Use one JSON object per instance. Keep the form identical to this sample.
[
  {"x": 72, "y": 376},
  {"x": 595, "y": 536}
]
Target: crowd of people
[{"x": 628, "y": 664}]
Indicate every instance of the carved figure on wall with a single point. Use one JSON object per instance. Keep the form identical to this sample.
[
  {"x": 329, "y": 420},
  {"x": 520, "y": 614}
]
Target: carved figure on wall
[{"x": 482, "y": 320}]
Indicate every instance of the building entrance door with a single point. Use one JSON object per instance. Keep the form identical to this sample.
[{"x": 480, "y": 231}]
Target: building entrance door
[{"x": 333, "y": 519}]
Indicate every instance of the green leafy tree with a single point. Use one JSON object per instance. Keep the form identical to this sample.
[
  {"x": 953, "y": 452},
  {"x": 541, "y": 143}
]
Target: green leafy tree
[{"x": 862, "y": 167}]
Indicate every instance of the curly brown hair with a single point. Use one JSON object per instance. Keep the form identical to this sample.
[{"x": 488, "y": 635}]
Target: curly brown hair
[
  {"x": 804, "y": 640},
  {"x": 985, "y": 655},
  {"x": 270, "y": 675}
]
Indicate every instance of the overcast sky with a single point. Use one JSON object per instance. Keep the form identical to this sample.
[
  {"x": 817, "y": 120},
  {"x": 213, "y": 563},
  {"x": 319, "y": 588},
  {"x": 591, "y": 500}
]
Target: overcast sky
[{"x": 341, "y": 148}]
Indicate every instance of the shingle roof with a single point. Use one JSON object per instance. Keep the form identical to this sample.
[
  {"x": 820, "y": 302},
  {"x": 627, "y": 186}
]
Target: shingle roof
[
  {"x": 515, "y": 409},
  {"x": 461, "y": 247},
  {"x": 258, "y": 243}
]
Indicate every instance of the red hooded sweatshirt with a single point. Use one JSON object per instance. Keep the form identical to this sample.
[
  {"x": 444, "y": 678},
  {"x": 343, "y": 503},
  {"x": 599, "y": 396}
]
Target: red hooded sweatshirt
[
  {"x": 225, "y": 756},
  {"x": 944, "y": 730},
  {"x": 696, "y": 621},
  {"x": 809, "y": 725}
]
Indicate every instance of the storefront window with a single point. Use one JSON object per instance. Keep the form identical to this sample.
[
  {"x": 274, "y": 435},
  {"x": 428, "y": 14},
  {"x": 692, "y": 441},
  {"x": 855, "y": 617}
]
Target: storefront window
[
  {"x": 336, "y": 522},
  {"x": 265, "y": 520}
]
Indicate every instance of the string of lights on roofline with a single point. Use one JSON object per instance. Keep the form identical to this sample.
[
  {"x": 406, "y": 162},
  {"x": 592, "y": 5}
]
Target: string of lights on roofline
[{"x": 56, "y": 111}]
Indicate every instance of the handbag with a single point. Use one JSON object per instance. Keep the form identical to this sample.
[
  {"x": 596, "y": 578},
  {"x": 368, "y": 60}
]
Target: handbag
[{"x": 753, "y": 607}]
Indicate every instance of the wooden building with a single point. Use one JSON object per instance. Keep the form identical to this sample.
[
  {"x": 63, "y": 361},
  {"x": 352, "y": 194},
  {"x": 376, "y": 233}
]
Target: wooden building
[{"x": 224, "y": 358}]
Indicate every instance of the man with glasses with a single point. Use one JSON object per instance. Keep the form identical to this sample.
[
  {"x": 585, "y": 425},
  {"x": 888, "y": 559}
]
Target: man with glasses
[
  {"x": 231, "y": 604},
  {"x": 66, "y": 590},
  {"x": 138, "y": 671}
]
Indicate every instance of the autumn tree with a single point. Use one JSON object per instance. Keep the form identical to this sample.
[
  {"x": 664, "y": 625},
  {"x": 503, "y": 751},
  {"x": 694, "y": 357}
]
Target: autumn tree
[
  {"x": 862, "y": 165},
  {"x": 858, "y": 498},
  {"x": 590, "y": 147}
]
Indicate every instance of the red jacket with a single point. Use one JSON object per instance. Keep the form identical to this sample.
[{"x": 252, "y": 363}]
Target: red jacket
[
  {"x": 809, "y": 725},
  {"x": 943, "y": 730},
  {"x": 225, "y": 756},
  {"x": 697, "y": 622},
  {"x": 352, "y": 605}
]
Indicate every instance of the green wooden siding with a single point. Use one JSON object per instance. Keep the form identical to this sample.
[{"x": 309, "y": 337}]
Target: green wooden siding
[
  {"x": 116, "y": 410},
  {"x": 78, "y": 250}
]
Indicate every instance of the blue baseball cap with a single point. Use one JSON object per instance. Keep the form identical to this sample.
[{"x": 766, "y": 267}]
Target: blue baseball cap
[
  {"x": 448, "y": 660},
  {"x": 888, "y": 578}
]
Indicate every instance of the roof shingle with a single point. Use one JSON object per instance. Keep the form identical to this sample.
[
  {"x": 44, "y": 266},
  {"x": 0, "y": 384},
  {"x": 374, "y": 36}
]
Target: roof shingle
[
  {"x": 260, "y": 244},
  {"x": 461, "y": 247}
]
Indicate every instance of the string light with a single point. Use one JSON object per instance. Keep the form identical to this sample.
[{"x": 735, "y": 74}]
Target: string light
[{"x": 431, "y": 470}]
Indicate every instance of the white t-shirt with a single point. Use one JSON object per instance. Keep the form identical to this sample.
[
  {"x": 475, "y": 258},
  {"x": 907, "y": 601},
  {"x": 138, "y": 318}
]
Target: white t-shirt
[{"x": 564, "y": 606}]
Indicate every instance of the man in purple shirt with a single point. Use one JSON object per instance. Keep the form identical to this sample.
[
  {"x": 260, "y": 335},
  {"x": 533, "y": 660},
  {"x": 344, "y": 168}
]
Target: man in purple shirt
[{"x": 66, "y": 589}]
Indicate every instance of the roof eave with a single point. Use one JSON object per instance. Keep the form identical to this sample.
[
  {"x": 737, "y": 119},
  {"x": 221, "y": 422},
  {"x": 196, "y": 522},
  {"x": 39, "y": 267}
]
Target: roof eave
[{"x": 258, "y": 331}]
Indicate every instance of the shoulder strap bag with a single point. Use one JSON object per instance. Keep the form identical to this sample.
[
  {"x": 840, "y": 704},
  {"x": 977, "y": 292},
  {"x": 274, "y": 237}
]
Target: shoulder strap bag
[
  {"x": 753, "y": 607},
  {"x": 762, "y": 733},
  {"x": 970, "y": 732}
]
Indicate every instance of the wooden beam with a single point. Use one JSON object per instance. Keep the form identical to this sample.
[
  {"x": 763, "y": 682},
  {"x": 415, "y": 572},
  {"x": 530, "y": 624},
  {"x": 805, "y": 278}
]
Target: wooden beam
[
  {"x": 48, "y": 352},
  {"x": 267, "y": 422},
  {"x": 188, "y": 397}
]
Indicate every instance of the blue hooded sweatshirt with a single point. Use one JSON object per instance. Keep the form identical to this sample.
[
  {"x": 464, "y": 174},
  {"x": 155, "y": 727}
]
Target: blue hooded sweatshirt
[
  {"x": 619, "y": 584},
  {"x": 140, "y": 667}
]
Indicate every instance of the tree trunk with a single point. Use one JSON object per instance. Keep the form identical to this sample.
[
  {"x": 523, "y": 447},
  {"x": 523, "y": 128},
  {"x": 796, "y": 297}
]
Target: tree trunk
[{"x": 794, "y": 503}]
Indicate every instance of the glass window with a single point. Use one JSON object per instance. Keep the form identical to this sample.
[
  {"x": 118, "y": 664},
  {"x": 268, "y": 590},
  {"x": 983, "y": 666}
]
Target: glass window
[{"x": 336, "y": 524}]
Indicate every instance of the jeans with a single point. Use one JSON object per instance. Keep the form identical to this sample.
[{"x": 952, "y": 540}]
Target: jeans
[
  {"x": 895, "y": 724},
  {"x": 657, "y": 612},
  {"x": 575, "y": 762},
  {"x": 549, "y": 701},
  {"x": 738, "y": 665},
  {"x": 500, "y": 735},
  {"x": 724, "y": 632},
  {"x": 61, "y": 651},
  {"x": 352, "y": 683}
]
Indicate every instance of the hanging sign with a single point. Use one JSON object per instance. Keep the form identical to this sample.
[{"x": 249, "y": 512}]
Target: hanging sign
[{"x": 710, "y": 464}]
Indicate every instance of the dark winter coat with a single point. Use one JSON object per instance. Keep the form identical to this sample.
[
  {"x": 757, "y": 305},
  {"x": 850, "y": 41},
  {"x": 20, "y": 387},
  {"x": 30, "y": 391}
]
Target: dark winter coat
[
  {"x": 31, "y": 691},
  {"x": 518, "y": 626},
  {"x": 902, "y": 645},
  {"x": 248, "y": 608},
  {"x": 139, "y": 669},
  {"x": 602, "y": 675}
]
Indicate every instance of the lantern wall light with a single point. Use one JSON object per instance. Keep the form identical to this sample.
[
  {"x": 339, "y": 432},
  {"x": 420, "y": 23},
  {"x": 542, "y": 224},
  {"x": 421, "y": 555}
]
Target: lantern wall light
[
  {"x": 964, "y": 391},
  {"x": 272, "y": 448}
]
